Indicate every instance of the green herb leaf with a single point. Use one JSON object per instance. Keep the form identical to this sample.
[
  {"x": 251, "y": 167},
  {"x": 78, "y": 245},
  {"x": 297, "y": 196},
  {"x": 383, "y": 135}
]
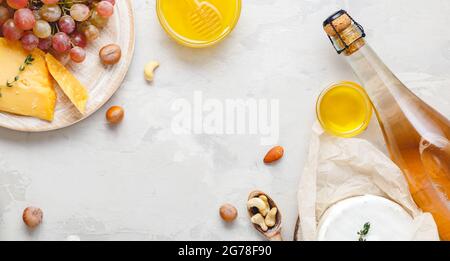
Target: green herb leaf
[
  {"x": 28, "y": 61},
  {"x": 363, "y": 232}
]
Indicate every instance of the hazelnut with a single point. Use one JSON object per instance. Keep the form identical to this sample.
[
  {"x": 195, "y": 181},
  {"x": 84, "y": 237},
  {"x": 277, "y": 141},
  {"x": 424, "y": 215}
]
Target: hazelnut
[
  {"x": 228, "y": 212},
  {"x": 110, "y": 54},
  {"x": 32, "y": 216},
  {"x": 115, "y": 114}
]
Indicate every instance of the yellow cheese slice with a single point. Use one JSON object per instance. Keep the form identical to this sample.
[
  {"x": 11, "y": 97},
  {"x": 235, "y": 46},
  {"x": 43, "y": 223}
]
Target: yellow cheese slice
[
  {"x": 33, "y": 93},
  {"x": 76, "y": 92}
]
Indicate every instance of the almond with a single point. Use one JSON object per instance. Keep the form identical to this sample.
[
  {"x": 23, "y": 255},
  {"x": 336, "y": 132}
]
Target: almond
[{"x": 274, "y": 154}]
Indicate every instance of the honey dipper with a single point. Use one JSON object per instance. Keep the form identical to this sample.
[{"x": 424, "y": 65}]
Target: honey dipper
[{"x": 205, "y": 18}]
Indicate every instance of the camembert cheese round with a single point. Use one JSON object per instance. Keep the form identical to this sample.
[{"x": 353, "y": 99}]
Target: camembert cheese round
[{"x": 367, "y": 218}]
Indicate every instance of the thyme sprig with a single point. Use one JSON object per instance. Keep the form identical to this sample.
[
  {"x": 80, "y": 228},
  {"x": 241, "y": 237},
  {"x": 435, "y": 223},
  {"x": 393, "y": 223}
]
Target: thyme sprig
[
  {"x": 364, "y": 231},
  {"x": 28, "y": 61}
]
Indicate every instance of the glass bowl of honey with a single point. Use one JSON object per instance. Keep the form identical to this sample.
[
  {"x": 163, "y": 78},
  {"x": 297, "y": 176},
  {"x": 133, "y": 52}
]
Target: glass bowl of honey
[
  {"x": 198, "y": 23},
  {"x": 344, "y": 109}
]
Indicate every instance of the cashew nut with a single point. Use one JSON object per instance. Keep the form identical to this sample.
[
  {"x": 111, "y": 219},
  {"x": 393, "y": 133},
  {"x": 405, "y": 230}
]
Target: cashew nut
[
  {"x": 259, "y": 204},
  {"x": 258, "y": 219},
  {"x": 266, "y": 201},
  {"x": 271, "y": 218},
  {"x": 149, "y": 70}
]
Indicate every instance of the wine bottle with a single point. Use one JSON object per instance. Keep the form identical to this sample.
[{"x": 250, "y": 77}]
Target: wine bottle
[{"x": 417, "y": 136}]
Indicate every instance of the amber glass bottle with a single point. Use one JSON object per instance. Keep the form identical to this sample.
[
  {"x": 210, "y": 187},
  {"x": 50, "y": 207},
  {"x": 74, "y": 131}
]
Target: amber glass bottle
[{"x": 417, "y": 136}]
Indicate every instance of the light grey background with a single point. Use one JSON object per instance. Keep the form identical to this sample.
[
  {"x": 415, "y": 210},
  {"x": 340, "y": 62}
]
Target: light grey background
[{"x": 140, "y": 181}]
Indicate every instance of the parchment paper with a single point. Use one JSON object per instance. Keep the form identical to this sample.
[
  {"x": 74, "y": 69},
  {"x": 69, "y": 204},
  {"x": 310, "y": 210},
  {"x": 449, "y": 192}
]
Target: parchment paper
[{"x": 340, "y": 168}]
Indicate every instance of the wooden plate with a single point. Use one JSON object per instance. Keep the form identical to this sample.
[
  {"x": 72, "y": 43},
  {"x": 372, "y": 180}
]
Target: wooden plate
[{"x": 102, "y": 82}]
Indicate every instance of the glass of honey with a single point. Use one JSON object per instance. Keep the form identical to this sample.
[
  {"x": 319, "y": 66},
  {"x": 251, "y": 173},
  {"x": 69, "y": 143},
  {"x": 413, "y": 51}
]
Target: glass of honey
[
  {"x": 198, "y": 23},
  {"x": 344, "y": 109}
]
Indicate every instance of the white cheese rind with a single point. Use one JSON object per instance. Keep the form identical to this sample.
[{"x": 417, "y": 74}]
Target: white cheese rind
[{"x": 388, "y": 220}]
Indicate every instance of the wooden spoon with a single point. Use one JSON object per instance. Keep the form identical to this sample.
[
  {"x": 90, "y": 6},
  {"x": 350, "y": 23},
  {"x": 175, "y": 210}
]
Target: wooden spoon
[{"x": 273, "y": 233}]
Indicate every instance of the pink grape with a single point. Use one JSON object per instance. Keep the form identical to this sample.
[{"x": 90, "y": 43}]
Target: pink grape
[
  {"x": 61, "y": 42},
  {"x": 81, "y": 27},
  {"x": 17, "y": 4},
  {"x": 50, "y": 13},
  {"x": 4, "y": 15},
  {"x": 11, "y": 31},
  {"x": 80, "y": 12},
  {"x": 77, "y": 54},
  {"x": 29, "y": 42},
  {"x": 98, "y": 20},
  {"x": 91, "y": 32},
  {"x": 66, "y": 24},
  {"x": 78, "y": 39},
  {"x": 62, "y": 57},
  {"x": 49, "y": 2},
  {"x": 61, "y": 27},
  {"x": 105, "y": 8},
  {"x": 113, "y": 2},
  {"x": 24, "y": 19},
  {"x": 45, "y": 44},
  {"x": 42, "y": 29}
]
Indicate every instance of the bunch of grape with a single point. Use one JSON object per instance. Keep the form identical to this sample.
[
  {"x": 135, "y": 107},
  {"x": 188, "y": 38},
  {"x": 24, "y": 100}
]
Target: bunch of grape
[{"x": 62, "y": 26}]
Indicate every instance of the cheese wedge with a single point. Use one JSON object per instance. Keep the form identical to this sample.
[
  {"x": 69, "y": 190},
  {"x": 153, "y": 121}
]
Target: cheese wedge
[
  {"x": 33, "y": 93},
  {"x": 73, "y": 89}
]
